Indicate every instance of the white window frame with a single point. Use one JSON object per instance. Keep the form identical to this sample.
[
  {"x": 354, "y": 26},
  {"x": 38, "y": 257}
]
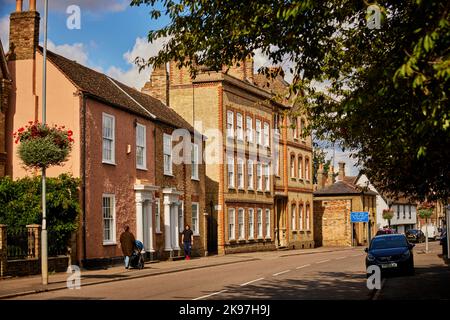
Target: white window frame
[
  {"x": 111, "y": 138},
  {"x": 230, "y": 172},
  {"x": 258, "y": 129},
  {"x": 195, "y": 218},
  {"x": 266, "y": 136},
  {"x": 300, "y": 217},
  {"x": 267, "y": 177},
  {"x": 292, "y": 166},
  {"x": 308, "y": 217},
  {"x": 259, "y": 179},
  {"x": 142, "y": 166},
  {"x": 230, "y": 124},
  {"x": 241, "y": 224},
  {"x": 112, "y": 198},
  {"x": 300, "y": 167},
  {"x": 259, "y": 222},
  {"x": 307, "y": 171},
  {"x": 250, "y": 175},
  {"x": 194, "y": 162},
  {"x": 240, "y": 173},
  {"x": 249, "y": 128},
  {"x": 293, "y": 218},
  {"x": 157, "y": 215},
  {"x": 166, "y": 152},
  {"x": 268, "y": 233},
  {"x": 231, "y": 224},
  {"x": 251, "y": 223},
  {"x": 239, "y": 126}
]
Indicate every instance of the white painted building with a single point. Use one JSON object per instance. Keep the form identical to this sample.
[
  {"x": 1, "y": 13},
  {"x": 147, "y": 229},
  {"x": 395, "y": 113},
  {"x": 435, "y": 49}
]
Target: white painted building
[{"x": 405, "y": 212}]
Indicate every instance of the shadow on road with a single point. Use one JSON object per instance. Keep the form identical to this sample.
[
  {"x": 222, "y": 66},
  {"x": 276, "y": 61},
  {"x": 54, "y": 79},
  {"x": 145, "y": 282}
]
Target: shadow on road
[{"x": 324, "y": 285}]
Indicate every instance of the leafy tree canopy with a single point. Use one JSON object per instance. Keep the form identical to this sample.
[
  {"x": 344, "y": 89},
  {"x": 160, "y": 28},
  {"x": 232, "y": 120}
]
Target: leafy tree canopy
[{"x": 387, "y": 88}]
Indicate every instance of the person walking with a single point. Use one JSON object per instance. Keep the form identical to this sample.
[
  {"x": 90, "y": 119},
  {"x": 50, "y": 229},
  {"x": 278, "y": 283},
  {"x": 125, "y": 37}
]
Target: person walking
[
  {"x": 127, "y": 240},
  {"x": 188, "y": 241}
]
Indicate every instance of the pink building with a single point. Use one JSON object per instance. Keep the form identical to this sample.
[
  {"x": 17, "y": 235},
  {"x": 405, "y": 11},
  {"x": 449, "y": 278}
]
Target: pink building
[{"x": 122, "y": 152}]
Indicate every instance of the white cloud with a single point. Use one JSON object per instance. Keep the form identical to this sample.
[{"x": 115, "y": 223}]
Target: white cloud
[
  {"x": 4, "y": 32},
  {"x": 262, "y": 60},
  {"x": 76, "y": 51},
  {"x": 132, "y": 77}
]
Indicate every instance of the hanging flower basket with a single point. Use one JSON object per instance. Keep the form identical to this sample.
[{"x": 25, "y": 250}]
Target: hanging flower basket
[
  {"x": 425, "y": 210},
  {"x": 388, "y": 214},
  {"x": 42, "y": 146}
]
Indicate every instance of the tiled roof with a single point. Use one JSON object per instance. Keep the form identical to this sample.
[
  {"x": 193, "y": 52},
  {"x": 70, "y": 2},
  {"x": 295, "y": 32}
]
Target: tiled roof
[
  {"x": 116, "y": 93},
  {"x": 276, "y": 86},
  {"x": 342, "y": 188}
]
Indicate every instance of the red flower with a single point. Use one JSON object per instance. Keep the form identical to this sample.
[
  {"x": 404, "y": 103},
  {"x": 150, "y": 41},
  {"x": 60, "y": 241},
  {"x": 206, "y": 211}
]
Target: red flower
[
  {"x": 30, "y": 122},
  {"x": 17, "y": 141},
  {"x": 21, "y": 129},
  {"x": 70, "y": 133}
]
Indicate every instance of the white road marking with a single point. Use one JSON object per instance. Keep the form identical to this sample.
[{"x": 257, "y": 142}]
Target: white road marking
[
  {"x": 306, "y": 265},
  {"x": 323, "y": 261},
  {"x": 210, "y": 295},
  {"x": 340, "y": 258},
  {"x": 277, "y": 274},
  {"x": 244, "y": 284}
]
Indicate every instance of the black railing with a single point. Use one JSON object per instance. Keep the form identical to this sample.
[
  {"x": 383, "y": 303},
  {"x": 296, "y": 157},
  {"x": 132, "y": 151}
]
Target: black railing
[{"x": 17, "y": 247}]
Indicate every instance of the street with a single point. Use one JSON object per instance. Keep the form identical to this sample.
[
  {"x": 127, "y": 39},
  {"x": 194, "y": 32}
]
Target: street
[{"x": 321, "y": 275}]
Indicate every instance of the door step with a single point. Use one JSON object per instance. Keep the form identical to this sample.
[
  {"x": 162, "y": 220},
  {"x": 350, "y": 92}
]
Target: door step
[{"x": 283, "y": 248}]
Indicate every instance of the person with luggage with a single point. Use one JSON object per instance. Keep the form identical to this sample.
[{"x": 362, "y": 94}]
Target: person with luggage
[
  {"x": 187, "y": 238},
  {"x": 127, "y": 242}
]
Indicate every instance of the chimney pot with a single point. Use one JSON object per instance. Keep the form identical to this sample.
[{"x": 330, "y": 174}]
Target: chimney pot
[
  {"x": 32, "y": 5},
  {"x": 341, "y": 171},
  {"x": 19, "y": 5}
]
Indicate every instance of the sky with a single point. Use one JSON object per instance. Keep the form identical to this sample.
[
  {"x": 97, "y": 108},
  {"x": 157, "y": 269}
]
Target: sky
[{"x": 111, "y": 35}]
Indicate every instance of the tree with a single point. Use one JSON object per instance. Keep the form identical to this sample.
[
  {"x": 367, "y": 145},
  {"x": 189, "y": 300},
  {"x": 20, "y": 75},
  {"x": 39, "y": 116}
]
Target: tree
[
  {"x": 386, "y": 97},
  {"x": 388, "y": 214},
  {"x": 319, "y": 158}
]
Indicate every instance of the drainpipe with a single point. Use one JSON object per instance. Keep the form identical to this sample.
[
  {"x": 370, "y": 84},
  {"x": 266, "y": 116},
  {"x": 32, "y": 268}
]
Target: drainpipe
[{"x": 83, "y": 173}]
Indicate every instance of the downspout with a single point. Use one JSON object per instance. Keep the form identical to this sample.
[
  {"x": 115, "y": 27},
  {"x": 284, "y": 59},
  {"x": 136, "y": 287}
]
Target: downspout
[{"x": 83, "y": 173}]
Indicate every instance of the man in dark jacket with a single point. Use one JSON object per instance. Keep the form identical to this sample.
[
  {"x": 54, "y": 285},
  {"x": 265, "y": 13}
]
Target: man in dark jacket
[
  {"x": 187, "y": 237},
  {"x": 127, "y": 242}
]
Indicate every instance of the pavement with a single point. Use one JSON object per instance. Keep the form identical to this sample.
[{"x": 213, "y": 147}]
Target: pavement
[{"x": 26, "y": 286}]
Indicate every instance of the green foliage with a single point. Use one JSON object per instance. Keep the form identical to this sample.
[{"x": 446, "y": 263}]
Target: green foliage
[
  {"x": 387, "y": 89},
  {"x": 425, "y": 213},
  {"x": 20, "y": 204},
  {"x": 42, "y": 146},
  {"x": 388, "y": 214},
  {"x": 319, "y": 156}
]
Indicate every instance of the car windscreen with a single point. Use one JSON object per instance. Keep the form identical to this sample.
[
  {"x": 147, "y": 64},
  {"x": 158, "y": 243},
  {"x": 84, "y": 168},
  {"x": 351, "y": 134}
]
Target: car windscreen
[{"x": 388, "y": 242}]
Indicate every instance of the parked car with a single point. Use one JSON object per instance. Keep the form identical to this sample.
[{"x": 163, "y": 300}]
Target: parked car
[
  {"x": 432, "y": 231},
  {"x": 385, "y": 231},
  {"x": 391, "y": 252},
  {"x": 414, "y": 235}
]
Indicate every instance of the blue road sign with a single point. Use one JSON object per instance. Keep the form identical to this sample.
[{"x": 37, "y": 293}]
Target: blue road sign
[{"x": 359, "y": 216}]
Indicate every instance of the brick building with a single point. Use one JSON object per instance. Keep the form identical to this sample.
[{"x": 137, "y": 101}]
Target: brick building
[
  {"x": 248, "y": 189},
  {"x": 123, "y": 151},
  {"x": 333, "y": 203},
  {"x": 5, "y": 92}
]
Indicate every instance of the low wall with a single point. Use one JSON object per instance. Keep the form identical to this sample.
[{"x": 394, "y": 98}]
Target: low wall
[{"x": 26, "y": 267}]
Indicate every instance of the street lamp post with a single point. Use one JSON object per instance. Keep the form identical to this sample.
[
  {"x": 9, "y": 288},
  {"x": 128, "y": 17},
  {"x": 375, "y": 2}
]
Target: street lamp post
[{"x": 44, "y": 240}]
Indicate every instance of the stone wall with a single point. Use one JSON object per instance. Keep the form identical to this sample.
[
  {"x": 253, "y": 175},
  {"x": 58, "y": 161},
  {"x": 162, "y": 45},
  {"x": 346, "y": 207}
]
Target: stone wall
[{"x": 24, "y": 35}]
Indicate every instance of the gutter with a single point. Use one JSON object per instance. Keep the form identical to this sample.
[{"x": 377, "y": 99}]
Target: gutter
[{"x": 83, "y": 170}]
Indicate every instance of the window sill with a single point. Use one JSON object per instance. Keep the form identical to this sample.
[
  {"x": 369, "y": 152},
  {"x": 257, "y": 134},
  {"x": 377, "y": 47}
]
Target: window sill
[
  {"x": 108, "y": 162},
  {"x": 109, "y": 243},
  {"x": 241, "y": 189},
  {"x": 196, "y": 234},
  {"x": 242, "y": 241},
  {"x": 195, "y": 179},
  {"x": 158, "y": 232},
  {"x": 168, "y": 174},
  {"x": 142, "y": 169},
  {"x": 268, "y": 239}
]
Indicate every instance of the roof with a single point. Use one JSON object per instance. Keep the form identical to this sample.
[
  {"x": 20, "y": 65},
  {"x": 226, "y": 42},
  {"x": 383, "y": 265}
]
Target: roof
[
  {"x": 115, "y": 93},
  {"x": 4, "y": 72},
  {"x": 342, "y": 188}
]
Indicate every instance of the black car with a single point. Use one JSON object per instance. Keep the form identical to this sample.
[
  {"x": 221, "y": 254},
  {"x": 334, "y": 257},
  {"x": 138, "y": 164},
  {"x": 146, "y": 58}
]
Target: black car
[
  {"x": 391, "y": 252},
  {"x": 415, "y": 235}
]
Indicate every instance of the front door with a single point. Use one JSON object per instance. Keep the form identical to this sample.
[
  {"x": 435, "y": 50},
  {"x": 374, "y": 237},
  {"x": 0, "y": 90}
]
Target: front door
[
  {"x": 147, "y": 225},
  {"x": 281, "y": 226}
]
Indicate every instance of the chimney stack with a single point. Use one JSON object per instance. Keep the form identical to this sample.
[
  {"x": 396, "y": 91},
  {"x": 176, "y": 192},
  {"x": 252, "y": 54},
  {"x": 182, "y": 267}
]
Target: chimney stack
[
  {"x": 23, "y": 32},
  {"x": 320, "y": 177},
  {"x": 249, "y": 68},
  {"x": 330, "y": 179},
  {"x": 341, "y": 171},
  {"x": 158, "y": 86}
]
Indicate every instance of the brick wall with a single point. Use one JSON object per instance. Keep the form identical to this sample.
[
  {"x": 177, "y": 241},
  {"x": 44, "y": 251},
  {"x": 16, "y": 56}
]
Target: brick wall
[
  {"x": 24, "y": 35},
  {"x": 26, "y": 267}
]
